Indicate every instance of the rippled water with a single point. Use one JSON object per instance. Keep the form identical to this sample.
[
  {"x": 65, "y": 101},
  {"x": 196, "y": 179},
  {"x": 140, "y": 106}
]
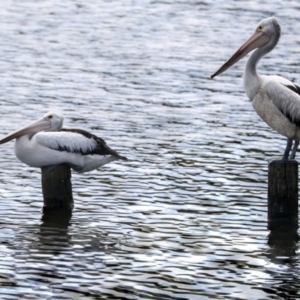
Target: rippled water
[{"x": 186, "y": 217}]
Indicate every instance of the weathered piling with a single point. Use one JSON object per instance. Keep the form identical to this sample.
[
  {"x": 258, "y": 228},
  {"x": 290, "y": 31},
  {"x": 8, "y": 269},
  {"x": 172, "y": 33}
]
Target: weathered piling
[
  {"x": 56, "y": 218},
  {"x": 283, "y": 242},
  {"x": 57, "y": 187},
  {"x": 283, "y": 194}
]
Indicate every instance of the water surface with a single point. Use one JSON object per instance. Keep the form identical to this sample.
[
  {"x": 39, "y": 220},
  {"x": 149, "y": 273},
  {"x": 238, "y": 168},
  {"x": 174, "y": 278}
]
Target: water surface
[{"x": 186, "y": 217}]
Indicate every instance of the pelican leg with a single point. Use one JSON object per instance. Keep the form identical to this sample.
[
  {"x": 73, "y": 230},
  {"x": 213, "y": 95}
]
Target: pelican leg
[
  {"x": 287, "y": 149},
  {"x": 293, "y": 154}
]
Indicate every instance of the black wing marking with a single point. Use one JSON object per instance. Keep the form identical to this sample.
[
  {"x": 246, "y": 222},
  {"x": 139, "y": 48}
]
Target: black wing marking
[
  {"x": 100, "y": 148},
  {"x": 296, "y": 89}
]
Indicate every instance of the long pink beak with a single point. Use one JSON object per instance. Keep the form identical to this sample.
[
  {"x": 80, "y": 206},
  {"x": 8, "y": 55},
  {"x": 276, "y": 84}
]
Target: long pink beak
[
  {"x": 34, "y": 127},
  {"x": 256, "y": 40}
]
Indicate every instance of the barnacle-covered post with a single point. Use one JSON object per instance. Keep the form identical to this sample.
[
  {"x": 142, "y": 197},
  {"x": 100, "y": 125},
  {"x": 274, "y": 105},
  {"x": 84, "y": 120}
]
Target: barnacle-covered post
[
  {"x": 57, "y": 187},
  {"x": 283, "y": 194}
]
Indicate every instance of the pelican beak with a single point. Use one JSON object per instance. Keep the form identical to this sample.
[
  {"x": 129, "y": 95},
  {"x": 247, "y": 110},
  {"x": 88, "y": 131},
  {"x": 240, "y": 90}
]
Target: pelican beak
[
  {"x": 256, "y": 40},
  {"x": 34, "y": 127}
]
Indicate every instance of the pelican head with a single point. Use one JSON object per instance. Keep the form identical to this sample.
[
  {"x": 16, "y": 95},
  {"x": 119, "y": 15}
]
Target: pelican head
[
  {"x": 265, "y": 36},
  {"x": 49, "y": 122},
  {"x": 54, "y": 119}
]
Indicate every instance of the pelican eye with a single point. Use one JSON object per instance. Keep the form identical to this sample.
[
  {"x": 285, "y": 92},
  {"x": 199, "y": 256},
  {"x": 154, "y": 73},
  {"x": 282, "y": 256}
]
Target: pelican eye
[
  {"x": 50, "y": 117},
  {"x": 260, "y": 28}
]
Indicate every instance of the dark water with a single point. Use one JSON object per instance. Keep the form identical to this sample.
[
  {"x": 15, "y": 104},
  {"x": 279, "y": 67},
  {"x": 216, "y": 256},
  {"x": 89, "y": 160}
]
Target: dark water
[{"x": 186, "y": 217}]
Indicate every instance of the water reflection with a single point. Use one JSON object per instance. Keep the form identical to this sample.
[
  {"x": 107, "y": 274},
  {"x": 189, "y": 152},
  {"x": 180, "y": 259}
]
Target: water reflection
[
  {"x": 283, "y": 252},
  {"x": 54, "y": 230},
  {"x": 283, "y": 241}
]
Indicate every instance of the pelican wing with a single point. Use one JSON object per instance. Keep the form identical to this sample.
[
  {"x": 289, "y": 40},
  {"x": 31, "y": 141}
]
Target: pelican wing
[
  {"x": 75, "y": 141},
  {"x": 286, "y": 97}
]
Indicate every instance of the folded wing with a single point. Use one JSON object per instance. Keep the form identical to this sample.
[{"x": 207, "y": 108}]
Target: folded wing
[{"x": 75, "y": 141}]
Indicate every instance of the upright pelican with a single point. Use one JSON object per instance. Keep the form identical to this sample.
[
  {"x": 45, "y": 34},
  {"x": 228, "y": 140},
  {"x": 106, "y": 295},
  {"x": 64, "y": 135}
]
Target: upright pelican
[
  {"x": 274, "y": 98},
  {"x": 44, "y": 143}
]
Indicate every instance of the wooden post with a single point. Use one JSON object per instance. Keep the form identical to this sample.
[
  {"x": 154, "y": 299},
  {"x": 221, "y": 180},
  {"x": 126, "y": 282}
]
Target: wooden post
[
  {"x": 57, "y": 187},
  {"x": 283, "y": 243},
  {"x": 283, "y": 194},
  {"x": 56, "y": 218}
]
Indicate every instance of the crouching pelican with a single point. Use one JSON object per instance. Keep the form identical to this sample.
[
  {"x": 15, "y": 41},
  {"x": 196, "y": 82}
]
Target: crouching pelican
[
  {"x": 274, "y": 98},
  {"x": 45, "y": 143}
]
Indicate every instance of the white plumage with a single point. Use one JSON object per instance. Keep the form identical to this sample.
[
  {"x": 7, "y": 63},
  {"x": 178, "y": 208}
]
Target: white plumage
[
  {"x": 79, "y": 149},
  {"x": 274, "y": 98},
  {"x": 72, "y": 141}
]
